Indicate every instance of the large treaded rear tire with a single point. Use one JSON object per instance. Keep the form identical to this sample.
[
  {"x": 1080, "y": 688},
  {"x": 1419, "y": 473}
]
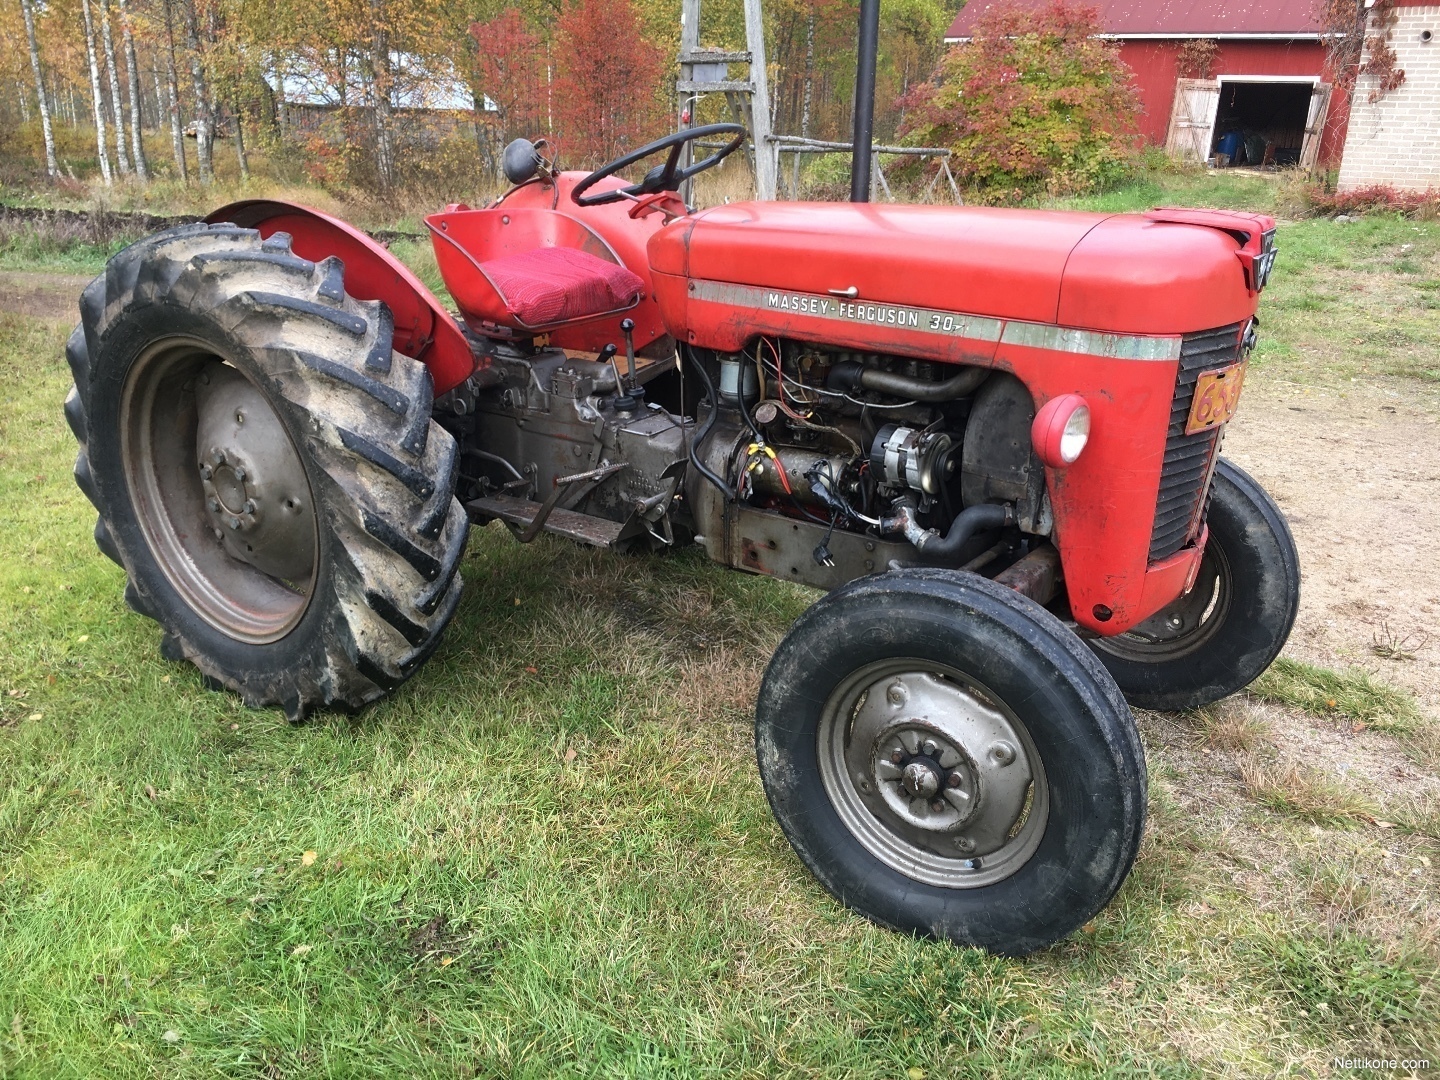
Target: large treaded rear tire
[{"x": 389, "y": 532}]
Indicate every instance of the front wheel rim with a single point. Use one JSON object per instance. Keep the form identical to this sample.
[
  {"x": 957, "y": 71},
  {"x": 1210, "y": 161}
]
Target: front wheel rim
[
  {"x": 1185, "y": 626},
  {"x": 932, "y": 773},
  {"x": 219, "y": 491}
]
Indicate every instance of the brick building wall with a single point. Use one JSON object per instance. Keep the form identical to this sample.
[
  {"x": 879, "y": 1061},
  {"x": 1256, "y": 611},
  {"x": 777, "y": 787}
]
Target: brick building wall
[{"x": 1396, "y": 140}]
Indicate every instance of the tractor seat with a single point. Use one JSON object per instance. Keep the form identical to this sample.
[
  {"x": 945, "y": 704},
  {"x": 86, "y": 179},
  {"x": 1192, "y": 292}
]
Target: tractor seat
[
  {"x": 528, "y": 269},
  {"x": 550, "y": 285}
]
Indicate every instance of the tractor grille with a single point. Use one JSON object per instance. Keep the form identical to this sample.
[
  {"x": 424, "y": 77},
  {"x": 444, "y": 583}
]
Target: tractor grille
[{"x": 1185, "y": 475}]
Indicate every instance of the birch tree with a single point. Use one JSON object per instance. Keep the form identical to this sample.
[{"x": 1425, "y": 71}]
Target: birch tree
[
  {"x": 202, "y": 98},
  {"x": 132, "y": 72},
  {"x": 122, "y": 158},
  {"x": 95, "y": 96},
  {"x": 172, "y": 104},
  {"x": 52, "y": 168}
]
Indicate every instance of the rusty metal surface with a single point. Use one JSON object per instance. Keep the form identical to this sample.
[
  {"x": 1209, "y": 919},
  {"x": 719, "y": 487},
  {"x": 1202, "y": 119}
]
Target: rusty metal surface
[
  {"x": 520, "y": 513},
  {"x": 1217, "y": 396},
  {"x": 1037, "y": 575}
]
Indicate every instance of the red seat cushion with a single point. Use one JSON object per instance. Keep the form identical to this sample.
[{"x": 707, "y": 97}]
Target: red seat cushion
[{"x": 548, "y": 285}]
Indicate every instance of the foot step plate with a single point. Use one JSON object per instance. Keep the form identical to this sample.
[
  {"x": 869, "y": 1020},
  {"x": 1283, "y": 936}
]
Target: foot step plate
[{"x": 598, "y": 532}]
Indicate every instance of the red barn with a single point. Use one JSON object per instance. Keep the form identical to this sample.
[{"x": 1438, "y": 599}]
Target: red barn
[{"x": 1264, "y": 79}]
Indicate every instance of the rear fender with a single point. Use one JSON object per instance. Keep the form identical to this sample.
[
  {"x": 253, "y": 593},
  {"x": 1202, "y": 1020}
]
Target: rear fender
[{"x": 424, "y": 330}]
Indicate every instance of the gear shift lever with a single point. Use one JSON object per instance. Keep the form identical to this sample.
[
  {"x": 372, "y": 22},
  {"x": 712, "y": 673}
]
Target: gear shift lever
[{"x": 634, "y": 395}]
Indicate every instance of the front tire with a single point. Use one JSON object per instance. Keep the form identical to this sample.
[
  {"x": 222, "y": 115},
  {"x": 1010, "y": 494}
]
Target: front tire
[
  {"x": 1222, "y": 635},
  {"x": 265, "y": 468},
  {"x": 949, "y": 760}
]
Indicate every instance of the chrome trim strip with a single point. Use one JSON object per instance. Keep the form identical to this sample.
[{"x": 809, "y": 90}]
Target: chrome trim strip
[
  {"x": 947, "y": 324},
  {"x": 1114, "y": 346}
]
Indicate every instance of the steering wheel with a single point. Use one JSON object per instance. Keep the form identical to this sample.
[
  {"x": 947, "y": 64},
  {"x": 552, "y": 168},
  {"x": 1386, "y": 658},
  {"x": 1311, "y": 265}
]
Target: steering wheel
[{"x": 667, "y": 177}]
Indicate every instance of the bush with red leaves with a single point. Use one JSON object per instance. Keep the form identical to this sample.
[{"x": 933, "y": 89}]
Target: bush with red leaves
[
  {"x": 1036, "y": 102},
  {"x": 1375, "y": 199}
]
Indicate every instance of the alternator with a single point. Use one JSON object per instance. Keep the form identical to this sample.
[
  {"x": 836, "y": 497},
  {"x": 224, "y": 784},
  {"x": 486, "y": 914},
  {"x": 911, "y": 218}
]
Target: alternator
[{"x": 906, "y": 457}]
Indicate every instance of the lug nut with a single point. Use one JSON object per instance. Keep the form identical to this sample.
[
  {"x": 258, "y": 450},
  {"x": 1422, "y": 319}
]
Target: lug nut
[
  {"x": 965, "y": 844},
  {"x": 955, "y": 780},
  {"x": 217, "y": 456},
  {"x": 897, "y": 694},
  {"x": 931, "y": 747},
  {"x": 249, "y": 506},
  {"x": 897, "y": 756},
  {"x": 219, "y": 533},
  {"x": 234, "y": 523},
  {"x": 937, "y": 805},
  {"x": 1002, "y": 753},
  {"x": 213, "y": 504},
  {"x": 205, "y": 471},
  {"x": 239, "y": 473}
]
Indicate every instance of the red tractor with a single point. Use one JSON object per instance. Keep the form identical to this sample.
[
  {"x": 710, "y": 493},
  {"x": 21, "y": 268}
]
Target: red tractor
[{"x": 992, "y": 435}]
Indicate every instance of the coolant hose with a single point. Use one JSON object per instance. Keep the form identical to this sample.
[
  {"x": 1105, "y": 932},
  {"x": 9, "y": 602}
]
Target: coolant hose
[
  {"x": 704, "y": 432},
  {"x": 849, "y": 375},
  {"x": 967, "y": 523}
]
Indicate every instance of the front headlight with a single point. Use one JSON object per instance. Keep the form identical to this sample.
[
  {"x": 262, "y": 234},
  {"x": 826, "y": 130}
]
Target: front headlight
[{"x": 1061, "y": 430}]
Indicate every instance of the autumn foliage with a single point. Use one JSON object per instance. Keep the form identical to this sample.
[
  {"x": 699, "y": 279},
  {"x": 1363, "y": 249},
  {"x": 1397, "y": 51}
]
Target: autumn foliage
[
  {"x": 608, "y": 94},
  {"x": 1034, "y": 102},
  {"x": 510, "y": 70}
]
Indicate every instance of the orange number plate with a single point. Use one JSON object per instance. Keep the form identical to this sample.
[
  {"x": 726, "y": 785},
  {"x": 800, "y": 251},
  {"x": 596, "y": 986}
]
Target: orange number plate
[{"x": 1217, "y": 393}]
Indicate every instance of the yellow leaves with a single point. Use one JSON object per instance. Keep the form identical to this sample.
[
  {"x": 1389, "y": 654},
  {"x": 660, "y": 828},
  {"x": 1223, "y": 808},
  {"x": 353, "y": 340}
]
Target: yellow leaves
[
  {"x": 308, "y": 859},
  {"x": 301, "y": 950}
]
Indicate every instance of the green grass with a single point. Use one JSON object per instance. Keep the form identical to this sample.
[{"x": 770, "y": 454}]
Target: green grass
[
  {"x": 1354, "y": 694},
  {"x": 550, "y": 855}
]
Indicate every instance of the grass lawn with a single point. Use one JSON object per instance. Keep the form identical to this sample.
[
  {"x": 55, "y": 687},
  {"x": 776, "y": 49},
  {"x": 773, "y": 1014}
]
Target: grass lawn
[{"x": 549, "y": 854}]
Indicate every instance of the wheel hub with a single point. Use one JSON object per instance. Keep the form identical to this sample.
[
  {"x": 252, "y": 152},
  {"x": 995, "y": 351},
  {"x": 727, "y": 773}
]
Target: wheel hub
[
  {"x": 256, "y": 493},
  {"x": 924, "y": 777},
  {"x": 932, "y": 777}
]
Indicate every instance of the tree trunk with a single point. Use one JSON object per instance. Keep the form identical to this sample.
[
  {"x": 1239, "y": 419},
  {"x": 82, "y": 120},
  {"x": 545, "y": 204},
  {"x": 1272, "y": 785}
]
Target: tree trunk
[
  {"x": 23, "y": 96},
  {"x": 95, "y": 97},
  {"x": 159, "y": 95},
  {"x": 380, "y": 94},
  {"x": 177, "y": 136},
  {"x": 51, "y": 167},
  {"x": 240, "y": 143},
  {"x": 202, "y": 100},
  {"x": 122, "y": 157},
  {"x": 132, "y": 73}
]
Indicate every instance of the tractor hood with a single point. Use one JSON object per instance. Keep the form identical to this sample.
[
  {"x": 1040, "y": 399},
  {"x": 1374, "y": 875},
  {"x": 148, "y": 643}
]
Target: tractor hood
[{"x": 1129, "y": 274}]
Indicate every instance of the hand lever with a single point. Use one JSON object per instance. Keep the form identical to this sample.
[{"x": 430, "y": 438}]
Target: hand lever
[
  {"x": 634, "y": 394},
  {"x": 627, "y": 327}
]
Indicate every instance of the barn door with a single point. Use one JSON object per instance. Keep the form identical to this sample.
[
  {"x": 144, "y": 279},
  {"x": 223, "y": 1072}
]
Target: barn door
[
  {"x": 1192, "y": 121},
  {"x": 1315, "y": 125}
]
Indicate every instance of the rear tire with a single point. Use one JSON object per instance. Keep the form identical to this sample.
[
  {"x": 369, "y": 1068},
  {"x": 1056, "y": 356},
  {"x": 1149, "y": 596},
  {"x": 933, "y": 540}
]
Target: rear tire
[
  {"x": 949, "y": 760},
  {"x": 305, "y": 554},
  {"x": 1221, "y": 636}
]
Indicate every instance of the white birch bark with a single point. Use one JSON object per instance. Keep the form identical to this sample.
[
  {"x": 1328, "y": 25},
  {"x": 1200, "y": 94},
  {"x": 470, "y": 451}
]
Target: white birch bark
[
  {"x": 202, "y": 99},
  {"x": 172, "y": 105},
  {"x": 51, "y": 167},
  {"x": 132, "y": 72},
  {"x": 95, "y": 97},
  {"x": 122, "y": 157}
]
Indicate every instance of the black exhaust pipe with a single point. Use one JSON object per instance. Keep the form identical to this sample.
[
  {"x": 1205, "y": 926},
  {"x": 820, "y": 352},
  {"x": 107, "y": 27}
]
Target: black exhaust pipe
[{"x": 869, "y": 44}]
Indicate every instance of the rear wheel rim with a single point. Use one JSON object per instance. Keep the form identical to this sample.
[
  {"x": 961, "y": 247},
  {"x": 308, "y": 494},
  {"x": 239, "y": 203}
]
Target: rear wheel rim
[
  {"x": 932, "y": 773},
  {"x": 219, "y": 490}
]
